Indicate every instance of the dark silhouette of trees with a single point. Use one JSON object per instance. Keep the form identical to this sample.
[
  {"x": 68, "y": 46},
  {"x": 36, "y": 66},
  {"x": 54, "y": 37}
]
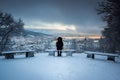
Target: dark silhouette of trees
[
  {"x": 110, "y": 12},
  {"x": 9, "y": 27}
]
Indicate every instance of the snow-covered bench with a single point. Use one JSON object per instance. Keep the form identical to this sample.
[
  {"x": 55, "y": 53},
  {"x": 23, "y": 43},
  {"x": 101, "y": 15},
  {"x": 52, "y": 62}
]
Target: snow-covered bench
[
  {"x": 68, "y": 52},
  {"x": 110, "y": 56},
  {"x": 10, "y": 54}
]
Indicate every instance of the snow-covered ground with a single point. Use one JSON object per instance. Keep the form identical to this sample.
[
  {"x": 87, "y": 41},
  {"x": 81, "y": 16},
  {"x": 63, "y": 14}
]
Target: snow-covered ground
[{"x": 44, "y": 67}]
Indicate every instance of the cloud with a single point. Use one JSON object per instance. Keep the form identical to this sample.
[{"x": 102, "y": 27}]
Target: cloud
[
  {"x": 50, "y": 26},
  {"x": 77, "y": 15}
]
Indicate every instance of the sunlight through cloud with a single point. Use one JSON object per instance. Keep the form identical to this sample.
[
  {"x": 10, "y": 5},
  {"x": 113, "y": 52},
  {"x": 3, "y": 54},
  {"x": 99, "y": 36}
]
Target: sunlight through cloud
[{"x": 50, "y": 26}]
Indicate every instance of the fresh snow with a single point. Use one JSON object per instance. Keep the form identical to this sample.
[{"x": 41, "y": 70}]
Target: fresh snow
[{"x": 44, "y": 67}]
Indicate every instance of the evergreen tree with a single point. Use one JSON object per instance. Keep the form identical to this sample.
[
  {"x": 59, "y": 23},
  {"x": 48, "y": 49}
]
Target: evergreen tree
[{"x": 110, "y": 12}]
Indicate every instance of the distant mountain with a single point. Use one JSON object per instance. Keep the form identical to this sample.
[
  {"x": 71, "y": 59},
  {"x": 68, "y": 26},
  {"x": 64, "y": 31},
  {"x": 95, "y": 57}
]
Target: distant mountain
[
  {"x": 53, "y": 33},
  {"x": 32, "y": 33}
]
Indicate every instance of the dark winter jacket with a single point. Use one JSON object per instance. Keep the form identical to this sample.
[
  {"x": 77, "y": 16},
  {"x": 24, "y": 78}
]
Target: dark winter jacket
[{"x": 59, "y": 44}]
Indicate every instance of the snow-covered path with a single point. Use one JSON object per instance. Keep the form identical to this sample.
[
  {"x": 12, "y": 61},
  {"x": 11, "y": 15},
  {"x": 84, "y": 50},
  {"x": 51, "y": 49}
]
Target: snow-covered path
[{"x": 44, "y": 67}]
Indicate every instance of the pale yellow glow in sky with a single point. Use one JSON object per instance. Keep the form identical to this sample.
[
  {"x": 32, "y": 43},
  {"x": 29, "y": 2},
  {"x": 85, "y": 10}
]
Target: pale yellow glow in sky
[{"x": 50, "y": 26}]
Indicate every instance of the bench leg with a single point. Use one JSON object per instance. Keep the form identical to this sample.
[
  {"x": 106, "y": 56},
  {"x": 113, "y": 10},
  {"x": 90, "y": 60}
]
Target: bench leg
[
  {"x": 69, "y": 54},
  {"x": 93, "y": 56},
  {"x": 112, "y": 58},
  {"x": 90, "y": 56},
  {"x": 52, "y": 53},
  {"x": 9, "y": 56},
  {"x": 29, "y": 54}
]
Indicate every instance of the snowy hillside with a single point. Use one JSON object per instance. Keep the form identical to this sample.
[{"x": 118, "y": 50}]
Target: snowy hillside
[
  {"x": 33, "y": 33},
  {"x": 44, "y": 67}
]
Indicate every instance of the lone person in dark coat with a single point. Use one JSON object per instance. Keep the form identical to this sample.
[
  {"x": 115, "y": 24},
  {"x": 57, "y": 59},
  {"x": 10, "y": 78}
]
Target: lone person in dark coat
[{"x": 59, "y": 45}]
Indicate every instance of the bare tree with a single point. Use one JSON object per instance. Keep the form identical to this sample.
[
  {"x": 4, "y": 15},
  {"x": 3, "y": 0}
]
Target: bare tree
[{"x": 8, "y": 28}]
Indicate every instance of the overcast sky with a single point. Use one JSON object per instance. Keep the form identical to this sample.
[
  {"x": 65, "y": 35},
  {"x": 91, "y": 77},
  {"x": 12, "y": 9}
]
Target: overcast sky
[{"x": 71, "y": 16}]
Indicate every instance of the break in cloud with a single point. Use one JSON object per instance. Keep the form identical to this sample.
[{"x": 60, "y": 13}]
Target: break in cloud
[{"x": 73, "y": 16}]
